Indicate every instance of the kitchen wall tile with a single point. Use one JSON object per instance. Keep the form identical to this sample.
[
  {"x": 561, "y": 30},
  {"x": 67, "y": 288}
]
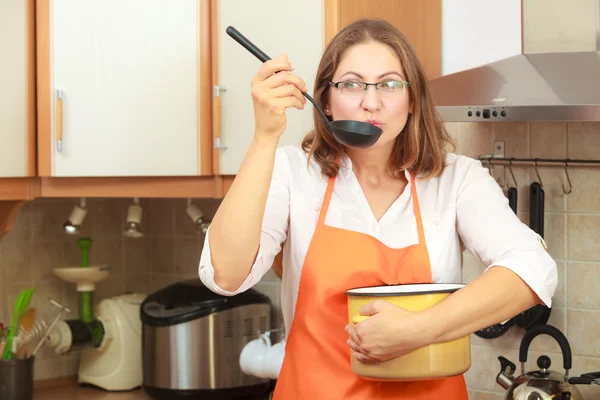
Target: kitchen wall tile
[
  {"x": 482, "y": 374},
  {"x": 515, "y": 136},
  {"x": 583, "y": 140},
  {"x": 161, "y": 260},
  {"x": 554, "y": 234},
  {"x": 584, "y": 332},
  {"x": 583, "y": 285},
  {"x": 45, "y": 256},
  {"x": 158, "y": 216},
  {"x": 187, "y": 254},
  {"x": 15, "y": 262},
  {"x": 585, "y": 194},
  {"x": 560, "y": 295},
  {"x": 108, "y": 251},
  {"x": 136, "y": 255},
  {"x": 109, "y": 216},
  {"x": 112, "y": 286},
  {"x": 583, "y": 233},
  {"x": 558, "y": 319},
  {"x": 474, "y": 139},
  {"x": 548, "y": 139}
]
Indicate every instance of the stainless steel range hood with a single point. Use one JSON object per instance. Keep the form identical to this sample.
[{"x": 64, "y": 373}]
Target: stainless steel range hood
[{"x": 525, "y": 87}]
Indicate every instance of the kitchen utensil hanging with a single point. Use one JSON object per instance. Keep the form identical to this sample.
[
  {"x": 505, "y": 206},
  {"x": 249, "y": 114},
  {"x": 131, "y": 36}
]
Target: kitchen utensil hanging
[
  {"x": 354, "y": 134},
  {"x": 512, "y": 190}
]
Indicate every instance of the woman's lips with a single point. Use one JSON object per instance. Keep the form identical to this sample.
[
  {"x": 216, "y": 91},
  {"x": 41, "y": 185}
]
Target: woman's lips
[{"x": 375, "y": 122}]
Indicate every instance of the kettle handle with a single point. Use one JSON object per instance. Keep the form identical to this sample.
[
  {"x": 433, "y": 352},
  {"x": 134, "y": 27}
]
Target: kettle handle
[{"x": 551, "y": 331}]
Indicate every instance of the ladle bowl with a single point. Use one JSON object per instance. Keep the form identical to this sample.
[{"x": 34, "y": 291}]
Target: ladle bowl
[{"x": 353, "y": 134}]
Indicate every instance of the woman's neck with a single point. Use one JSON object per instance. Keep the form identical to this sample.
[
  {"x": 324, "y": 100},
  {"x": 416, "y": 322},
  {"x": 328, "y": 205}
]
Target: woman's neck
[{"x": 371, "y": 165}]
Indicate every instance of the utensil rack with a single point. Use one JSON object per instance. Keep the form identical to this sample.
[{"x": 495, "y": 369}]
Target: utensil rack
[
  {"x": 539, "y": 162},
  {"x": 492, "y": 160}
]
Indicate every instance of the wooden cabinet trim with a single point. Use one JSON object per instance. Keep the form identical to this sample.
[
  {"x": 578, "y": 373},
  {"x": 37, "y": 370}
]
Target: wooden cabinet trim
[
  {"x": 144, "y": 187},
  {"x": 204, "y": 133},
  {"x": 30, "y": 155},
  {"x": 44, "y": 119},
  {"x": 216, "y": 100},
  {"x": 332, "y": 19}
]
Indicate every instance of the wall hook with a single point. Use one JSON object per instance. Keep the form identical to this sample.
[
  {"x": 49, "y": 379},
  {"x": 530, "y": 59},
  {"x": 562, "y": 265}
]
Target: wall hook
[
  {"x": 511, "y": 172},
  {"x": 568, "y": 180},
  {"x": 535, "y": 162}
]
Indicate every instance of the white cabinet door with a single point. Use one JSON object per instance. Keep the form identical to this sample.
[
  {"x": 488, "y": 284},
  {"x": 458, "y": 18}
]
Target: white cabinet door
[
  {"x": 129, "y": 73},
  {"x": 14, "y": 88},
  {"x": 476, "y": 32},
  {"x": 275, "y": 26}
]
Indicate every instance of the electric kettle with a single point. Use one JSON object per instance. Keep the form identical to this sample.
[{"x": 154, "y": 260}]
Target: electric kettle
[{"x": 542, "y": 384}]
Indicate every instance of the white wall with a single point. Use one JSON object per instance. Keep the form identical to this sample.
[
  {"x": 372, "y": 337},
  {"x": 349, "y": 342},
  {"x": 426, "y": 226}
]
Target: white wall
[{"x": 476, "y": 32}]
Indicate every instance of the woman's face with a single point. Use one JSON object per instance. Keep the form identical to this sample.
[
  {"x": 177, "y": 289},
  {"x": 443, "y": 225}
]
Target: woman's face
[{"x": 371, "y": 62}]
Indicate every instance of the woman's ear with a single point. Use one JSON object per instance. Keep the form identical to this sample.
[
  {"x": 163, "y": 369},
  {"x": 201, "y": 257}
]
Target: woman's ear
[{"x": 327, "y": 111}]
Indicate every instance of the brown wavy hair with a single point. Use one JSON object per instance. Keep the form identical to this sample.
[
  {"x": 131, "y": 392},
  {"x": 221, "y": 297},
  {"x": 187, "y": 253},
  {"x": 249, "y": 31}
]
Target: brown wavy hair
[{"x": 420, "y": 147}]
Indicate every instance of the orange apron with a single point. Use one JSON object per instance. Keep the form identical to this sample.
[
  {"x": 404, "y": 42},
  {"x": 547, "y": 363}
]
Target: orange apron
[{"x": 317, "y": 361}]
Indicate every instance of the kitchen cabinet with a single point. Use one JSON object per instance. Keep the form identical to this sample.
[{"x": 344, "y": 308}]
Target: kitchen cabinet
[
  {"x": 420, "y": 21},
  {"x": 123, "y": 88},
  {"x": 17, "y": 97},
  {"x": 476, "y": 32},
  {"x": 17, "y": 109},
  {"x": 275, "y": 28},
  {"x": 301, "y": 33}
]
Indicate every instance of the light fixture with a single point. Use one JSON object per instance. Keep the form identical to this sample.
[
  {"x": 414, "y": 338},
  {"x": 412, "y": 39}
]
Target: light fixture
[
  {"x": 133, "y": 226},
  {"x": 197, "y": 217},
  {"x": 73, "y": 224}
]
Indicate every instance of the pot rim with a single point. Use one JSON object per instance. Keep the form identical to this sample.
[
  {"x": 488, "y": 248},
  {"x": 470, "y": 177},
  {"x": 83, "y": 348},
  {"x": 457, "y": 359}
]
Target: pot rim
[{"x": 409, "y": 289}]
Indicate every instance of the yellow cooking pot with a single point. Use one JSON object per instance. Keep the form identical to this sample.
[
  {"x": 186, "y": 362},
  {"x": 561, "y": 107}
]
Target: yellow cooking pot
[{"x": 430, "y": 362}]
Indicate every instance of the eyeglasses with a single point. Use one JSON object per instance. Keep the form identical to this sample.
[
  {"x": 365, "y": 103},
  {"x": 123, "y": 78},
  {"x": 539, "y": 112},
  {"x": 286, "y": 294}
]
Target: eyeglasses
[{"x": 357, "y": 87}]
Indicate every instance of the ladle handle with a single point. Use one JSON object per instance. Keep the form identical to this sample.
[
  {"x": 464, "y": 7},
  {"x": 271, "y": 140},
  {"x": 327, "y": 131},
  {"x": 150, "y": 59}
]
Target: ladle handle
[
  {"x": 258, "y": 53},
  {"x": 243, "y": 40}
]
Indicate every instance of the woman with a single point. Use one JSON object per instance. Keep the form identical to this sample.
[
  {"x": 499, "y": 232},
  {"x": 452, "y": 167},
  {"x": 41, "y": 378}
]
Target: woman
[{"x": 401, "y": 211}]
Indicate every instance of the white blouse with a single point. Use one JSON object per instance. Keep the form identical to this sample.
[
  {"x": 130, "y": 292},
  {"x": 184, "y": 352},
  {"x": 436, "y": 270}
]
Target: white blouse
[{"x": 464, "y": 208}]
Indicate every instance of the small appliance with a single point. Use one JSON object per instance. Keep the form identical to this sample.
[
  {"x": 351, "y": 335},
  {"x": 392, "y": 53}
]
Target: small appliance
[{"x": 192, "y": 339}]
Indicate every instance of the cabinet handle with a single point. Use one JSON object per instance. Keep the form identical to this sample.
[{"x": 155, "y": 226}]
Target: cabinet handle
[{"x": 59, "y": 122}]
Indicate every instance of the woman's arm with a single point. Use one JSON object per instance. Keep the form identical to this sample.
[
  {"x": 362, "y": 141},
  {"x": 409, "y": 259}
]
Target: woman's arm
[
  {"x": 520, "y": 274},
  {"x": 496, "y": 295},
  {"x": 235, "y": 231}
]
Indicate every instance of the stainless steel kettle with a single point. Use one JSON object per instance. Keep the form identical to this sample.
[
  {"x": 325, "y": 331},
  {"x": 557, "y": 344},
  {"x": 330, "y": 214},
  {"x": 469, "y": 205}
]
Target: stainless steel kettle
[{"x": 541, "y": 384}]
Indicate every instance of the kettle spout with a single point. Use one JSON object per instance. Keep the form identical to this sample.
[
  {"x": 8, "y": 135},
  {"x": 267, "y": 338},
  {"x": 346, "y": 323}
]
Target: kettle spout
[{"x": 505, "y": 378}]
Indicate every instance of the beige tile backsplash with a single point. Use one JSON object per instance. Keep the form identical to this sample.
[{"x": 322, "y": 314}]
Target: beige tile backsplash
[
  {"x": 572, "y": 233},
  {"x": 171, "y": 249}
]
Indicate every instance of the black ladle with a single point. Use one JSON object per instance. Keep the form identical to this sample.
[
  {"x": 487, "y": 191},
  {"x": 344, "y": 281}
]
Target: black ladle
[{"x": 354, "y": 134}]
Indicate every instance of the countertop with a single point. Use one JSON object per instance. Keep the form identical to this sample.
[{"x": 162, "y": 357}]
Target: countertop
[
  {"x": 68, "y": 389},
  {"x": 74, "y": 392}
]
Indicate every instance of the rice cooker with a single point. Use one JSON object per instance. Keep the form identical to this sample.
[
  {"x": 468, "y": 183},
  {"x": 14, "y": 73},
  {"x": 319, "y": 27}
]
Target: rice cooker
[{"x": 192, "y": 339}]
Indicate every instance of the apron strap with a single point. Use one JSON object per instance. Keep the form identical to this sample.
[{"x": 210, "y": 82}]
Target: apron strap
[
  {"x": 417, "y": 209},
  {"x": 415, "y": 199},
  {"x": 326, "y": 201}
]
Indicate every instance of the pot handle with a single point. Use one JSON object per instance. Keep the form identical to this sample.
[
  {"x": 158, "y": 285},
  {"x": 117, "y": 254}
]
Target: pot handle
[
  {"x": 551, "y": 331},
  {"x": 359, "y": 318}
]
